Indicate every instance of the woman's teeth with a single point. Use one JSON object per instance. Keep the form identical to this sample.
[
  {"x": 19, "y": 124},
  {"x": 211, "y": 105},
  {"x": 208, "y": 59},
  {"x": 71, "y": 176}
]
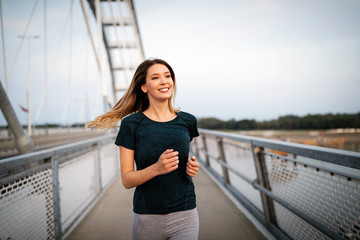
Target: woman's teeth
[{"x": 163, "y": 89}]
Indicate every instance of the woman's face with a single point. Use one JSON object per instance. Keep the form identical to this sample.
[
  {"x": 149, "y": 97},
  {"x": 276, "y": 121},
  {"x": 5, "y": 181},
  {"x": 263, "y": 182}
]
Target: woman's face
[{"x": 159, "y": 83}]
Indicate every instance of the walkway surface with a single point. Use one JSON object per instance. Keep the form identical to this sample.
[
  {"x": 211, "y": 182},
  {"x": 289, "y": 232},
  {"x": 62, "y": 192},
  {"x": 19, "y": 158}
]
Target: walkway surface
[{"x": 219, "y": 217}]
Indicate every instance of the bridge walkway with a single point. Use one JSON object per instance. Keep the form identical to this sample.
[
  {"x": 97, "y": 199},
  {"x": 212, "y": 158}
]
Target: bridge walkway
[{"x": 219, "y": 217}]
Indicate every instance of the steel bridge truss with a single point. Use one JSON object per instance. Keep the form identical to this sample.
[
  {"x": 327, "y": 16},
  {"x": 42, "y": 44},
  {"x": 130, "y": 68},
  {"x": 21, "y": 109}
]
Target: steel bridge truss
[{"x": 121, "y": 38}]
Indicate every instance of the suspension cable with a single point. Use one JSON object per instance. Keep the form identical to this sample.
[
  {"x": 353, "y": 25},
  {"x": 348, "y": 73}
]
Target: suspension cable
[
  {"x": 3, "y": 46},
  {"x": 52, "y": 65},
  {"x": 68, "y": 99},
  {"x": 44, "y": 96},
  {"x": 85, "y": 97},
  {"x": 22, "y": 40},
  {"x": 59, "y": 45},
  {"x": 90, "y": 34}
]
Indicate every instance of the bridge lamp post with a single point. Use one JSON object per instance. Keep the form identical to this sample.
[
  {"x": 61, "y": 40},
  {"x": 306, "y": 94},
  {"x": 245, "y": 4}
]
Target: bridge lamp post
[{"x": 29, "y": 79}]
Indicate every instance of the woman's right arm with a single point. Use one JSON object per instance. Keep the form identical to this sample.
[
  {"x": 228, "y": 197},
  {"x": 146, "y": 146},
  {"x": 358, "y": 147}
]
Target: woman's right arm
[{"x": 167, "y": 162}]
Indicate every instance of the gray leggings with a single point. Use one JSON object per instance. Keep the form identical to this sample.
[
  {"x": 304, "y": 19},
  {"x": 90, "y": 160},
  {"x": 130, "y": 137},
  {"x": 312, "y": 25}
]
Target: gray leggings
[{"x": 175, "y": 226}]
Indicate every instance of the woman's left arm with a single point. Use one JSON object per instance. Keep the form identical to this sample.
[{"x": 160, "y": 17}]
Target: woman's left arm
[{"x": 192, "y": 166}]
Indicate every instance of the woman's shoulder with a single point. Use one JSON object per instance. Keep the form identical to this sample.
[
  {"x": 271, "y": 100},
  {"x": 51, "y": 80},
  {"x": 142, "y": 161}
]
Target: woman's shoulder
[
  {"x": 133, "y": 118},
  {"x": 191, "y": 122},
  {"x": 188, "y": 117}
]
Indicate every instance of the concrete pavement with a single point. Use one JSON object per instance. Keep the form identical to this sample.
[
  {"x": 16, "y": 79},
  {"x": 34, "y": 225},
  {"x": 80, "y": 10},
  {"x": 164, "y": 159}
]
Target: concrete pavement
[{"x": 219, "y": 217}]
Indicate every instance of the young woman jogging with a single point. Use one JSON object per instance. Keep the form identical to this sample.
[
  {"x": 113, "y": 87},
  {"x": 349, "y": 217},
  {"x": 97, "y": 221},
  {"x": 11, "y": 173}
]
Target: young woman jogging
[{"x": 157, "y": 138}]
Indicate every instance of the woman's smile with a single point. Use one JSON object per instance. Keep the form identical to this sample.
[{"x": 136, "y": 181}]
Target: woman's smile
[{"x": 164, "y": 90}]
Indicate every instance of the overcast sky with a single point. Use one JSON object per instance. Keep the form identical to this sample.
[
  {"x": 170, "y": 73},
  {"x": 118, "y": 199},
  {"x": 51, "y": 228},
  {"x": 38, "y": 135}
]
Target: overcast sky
[{"x": 233, "y": 59}]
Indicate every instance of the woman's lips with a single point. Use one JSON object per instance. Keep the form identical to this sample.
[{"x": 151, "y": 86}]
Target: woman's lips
[{"x": 164, "y": 90}]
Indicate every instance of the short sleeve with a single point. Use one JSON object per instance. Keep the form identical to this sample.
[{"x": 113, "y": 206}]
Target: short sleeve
[
  {"x": 126, "y": 134},
  {"x": 191, "y": 122},
  {"x": 193, "y": 128}
]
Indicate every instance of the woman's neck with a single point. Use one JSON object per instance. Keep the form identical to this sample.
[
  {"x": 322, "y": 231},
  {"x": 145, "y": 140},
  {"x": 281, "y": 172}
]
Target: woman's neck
[{"x": 159, "y": 112}]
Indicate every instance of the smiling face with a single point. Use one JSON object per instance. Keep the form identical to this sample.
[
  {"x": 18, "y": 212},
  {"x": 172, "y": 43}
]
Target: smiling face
[{"x": 159, "y": 83}]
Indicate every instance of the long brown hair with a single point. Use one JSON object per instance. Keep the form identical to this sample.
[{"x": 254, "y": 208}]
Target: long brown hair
[{"x": 134, "y": 99}]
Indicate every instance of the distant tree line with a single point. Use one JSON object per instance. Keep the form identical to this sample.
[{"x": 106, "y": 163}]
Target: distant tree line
[
  {"x": 50, "y": 125},
  {"x": 288, "y": 122}
]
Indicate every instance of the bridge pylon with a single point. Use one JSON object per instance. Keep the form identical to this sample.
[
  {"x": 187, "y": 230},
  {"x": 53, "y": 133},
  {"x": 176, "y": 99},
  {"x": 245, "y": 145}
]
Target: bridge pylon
[{"x": 121, "y": 37}]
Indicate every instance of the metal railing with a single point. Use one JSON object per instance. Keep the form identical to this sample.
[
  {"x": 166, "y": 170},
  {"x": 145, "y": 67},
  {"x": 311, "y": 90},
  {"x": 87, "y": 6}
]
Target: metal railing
[
  {"x": 297, "y": 191},
  {"x": 43, "y": 195}
]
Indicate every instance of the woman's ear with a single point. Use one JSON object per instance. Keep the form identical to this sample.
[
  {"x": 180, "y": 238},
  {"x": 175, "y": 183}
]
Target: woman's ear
[{"x": 143, "y": 88}]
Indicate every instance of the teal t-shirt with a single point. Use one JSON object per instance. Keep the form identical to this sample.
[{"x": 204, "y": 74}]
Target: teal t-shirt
[{"x": 170, "y": 192}]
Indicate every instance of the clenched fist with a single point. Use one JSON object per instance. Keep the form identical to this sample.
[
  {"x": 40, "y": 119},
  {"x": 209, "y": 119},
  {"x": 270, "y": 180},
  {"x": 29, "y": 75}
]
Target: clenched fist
[
  {"x": 168, "y": 162},
  {"x": 192, "y": 166}
]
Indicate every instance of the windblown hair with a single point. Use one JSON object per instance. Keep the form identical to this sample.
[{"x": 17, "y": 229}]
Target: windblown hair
[{"x": 134, "y": 99}]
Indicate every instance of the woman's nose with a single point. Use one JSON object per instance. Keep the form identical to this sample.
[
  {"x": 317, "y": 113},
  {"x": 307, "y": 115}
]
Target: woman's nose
[{"x": 162, "y": 80}]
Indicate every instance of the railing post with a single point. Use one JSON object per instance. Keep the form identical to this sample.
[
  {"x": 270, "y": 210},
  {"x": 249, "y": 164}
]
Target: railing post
[
  {"x": 196, "y": 144},
  {"x": 222, "y": 158},
  {"x": 207, "y": 161},
  {"x": 56, "y": 197},
  {"x": 118, "y": 160},
  {"x": 99, "y": 167},
  {"x": 263, "y": 180}
]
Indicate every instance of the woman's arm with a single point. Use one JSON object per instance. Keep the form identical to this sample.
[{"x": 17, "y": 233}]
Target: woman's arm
[{"x": 167, "y": 162}]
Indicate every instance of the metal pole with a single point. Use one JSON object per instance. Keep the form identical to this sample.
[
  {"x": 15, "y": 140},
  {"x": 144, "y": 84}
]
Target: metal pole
[
  {"x": 29, "y": 90},
  {"x": 263, "y": 178},
  {"x": 29, "y": 81},
  {"x": 45, "y": 68},
  {"x": 118, "y": 161},
  {"x": 3, "y": 47},
  {"x": 99, "y": 168},
  {"x": 23, "y": 142},
  {"x": 207, "y": 160},
  {"x": 56, "y": 197},
  {"x": 222, "y": 158},
  {"x": 196, "y": 146}
]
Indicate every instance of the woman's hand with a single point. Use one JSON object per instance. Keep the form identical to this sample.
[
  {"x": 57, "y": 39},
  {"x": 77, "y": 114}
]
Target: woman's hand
[
  {"x": 168, "y": 162},
  {"x": 192, "y": 166}
]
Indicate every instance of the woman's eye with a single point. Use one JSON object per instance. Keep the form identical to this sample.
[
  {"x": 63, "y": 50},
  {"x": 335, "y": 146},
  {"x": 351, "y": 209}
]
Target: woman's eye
[
  {"x": 154, "y": 78},
  {"x": 168, "y": 76}
]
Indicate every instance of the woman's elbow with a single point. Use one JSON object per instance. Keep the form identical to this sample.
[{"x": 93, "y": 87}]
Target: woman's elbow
[{"x": 126, "y": 184}]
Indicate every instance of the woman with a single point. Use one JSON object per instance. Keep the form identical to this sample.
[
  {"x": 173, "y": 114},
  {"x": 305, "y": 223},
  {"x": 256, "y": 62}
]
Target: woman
[{"x": 157, "y": 137}]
